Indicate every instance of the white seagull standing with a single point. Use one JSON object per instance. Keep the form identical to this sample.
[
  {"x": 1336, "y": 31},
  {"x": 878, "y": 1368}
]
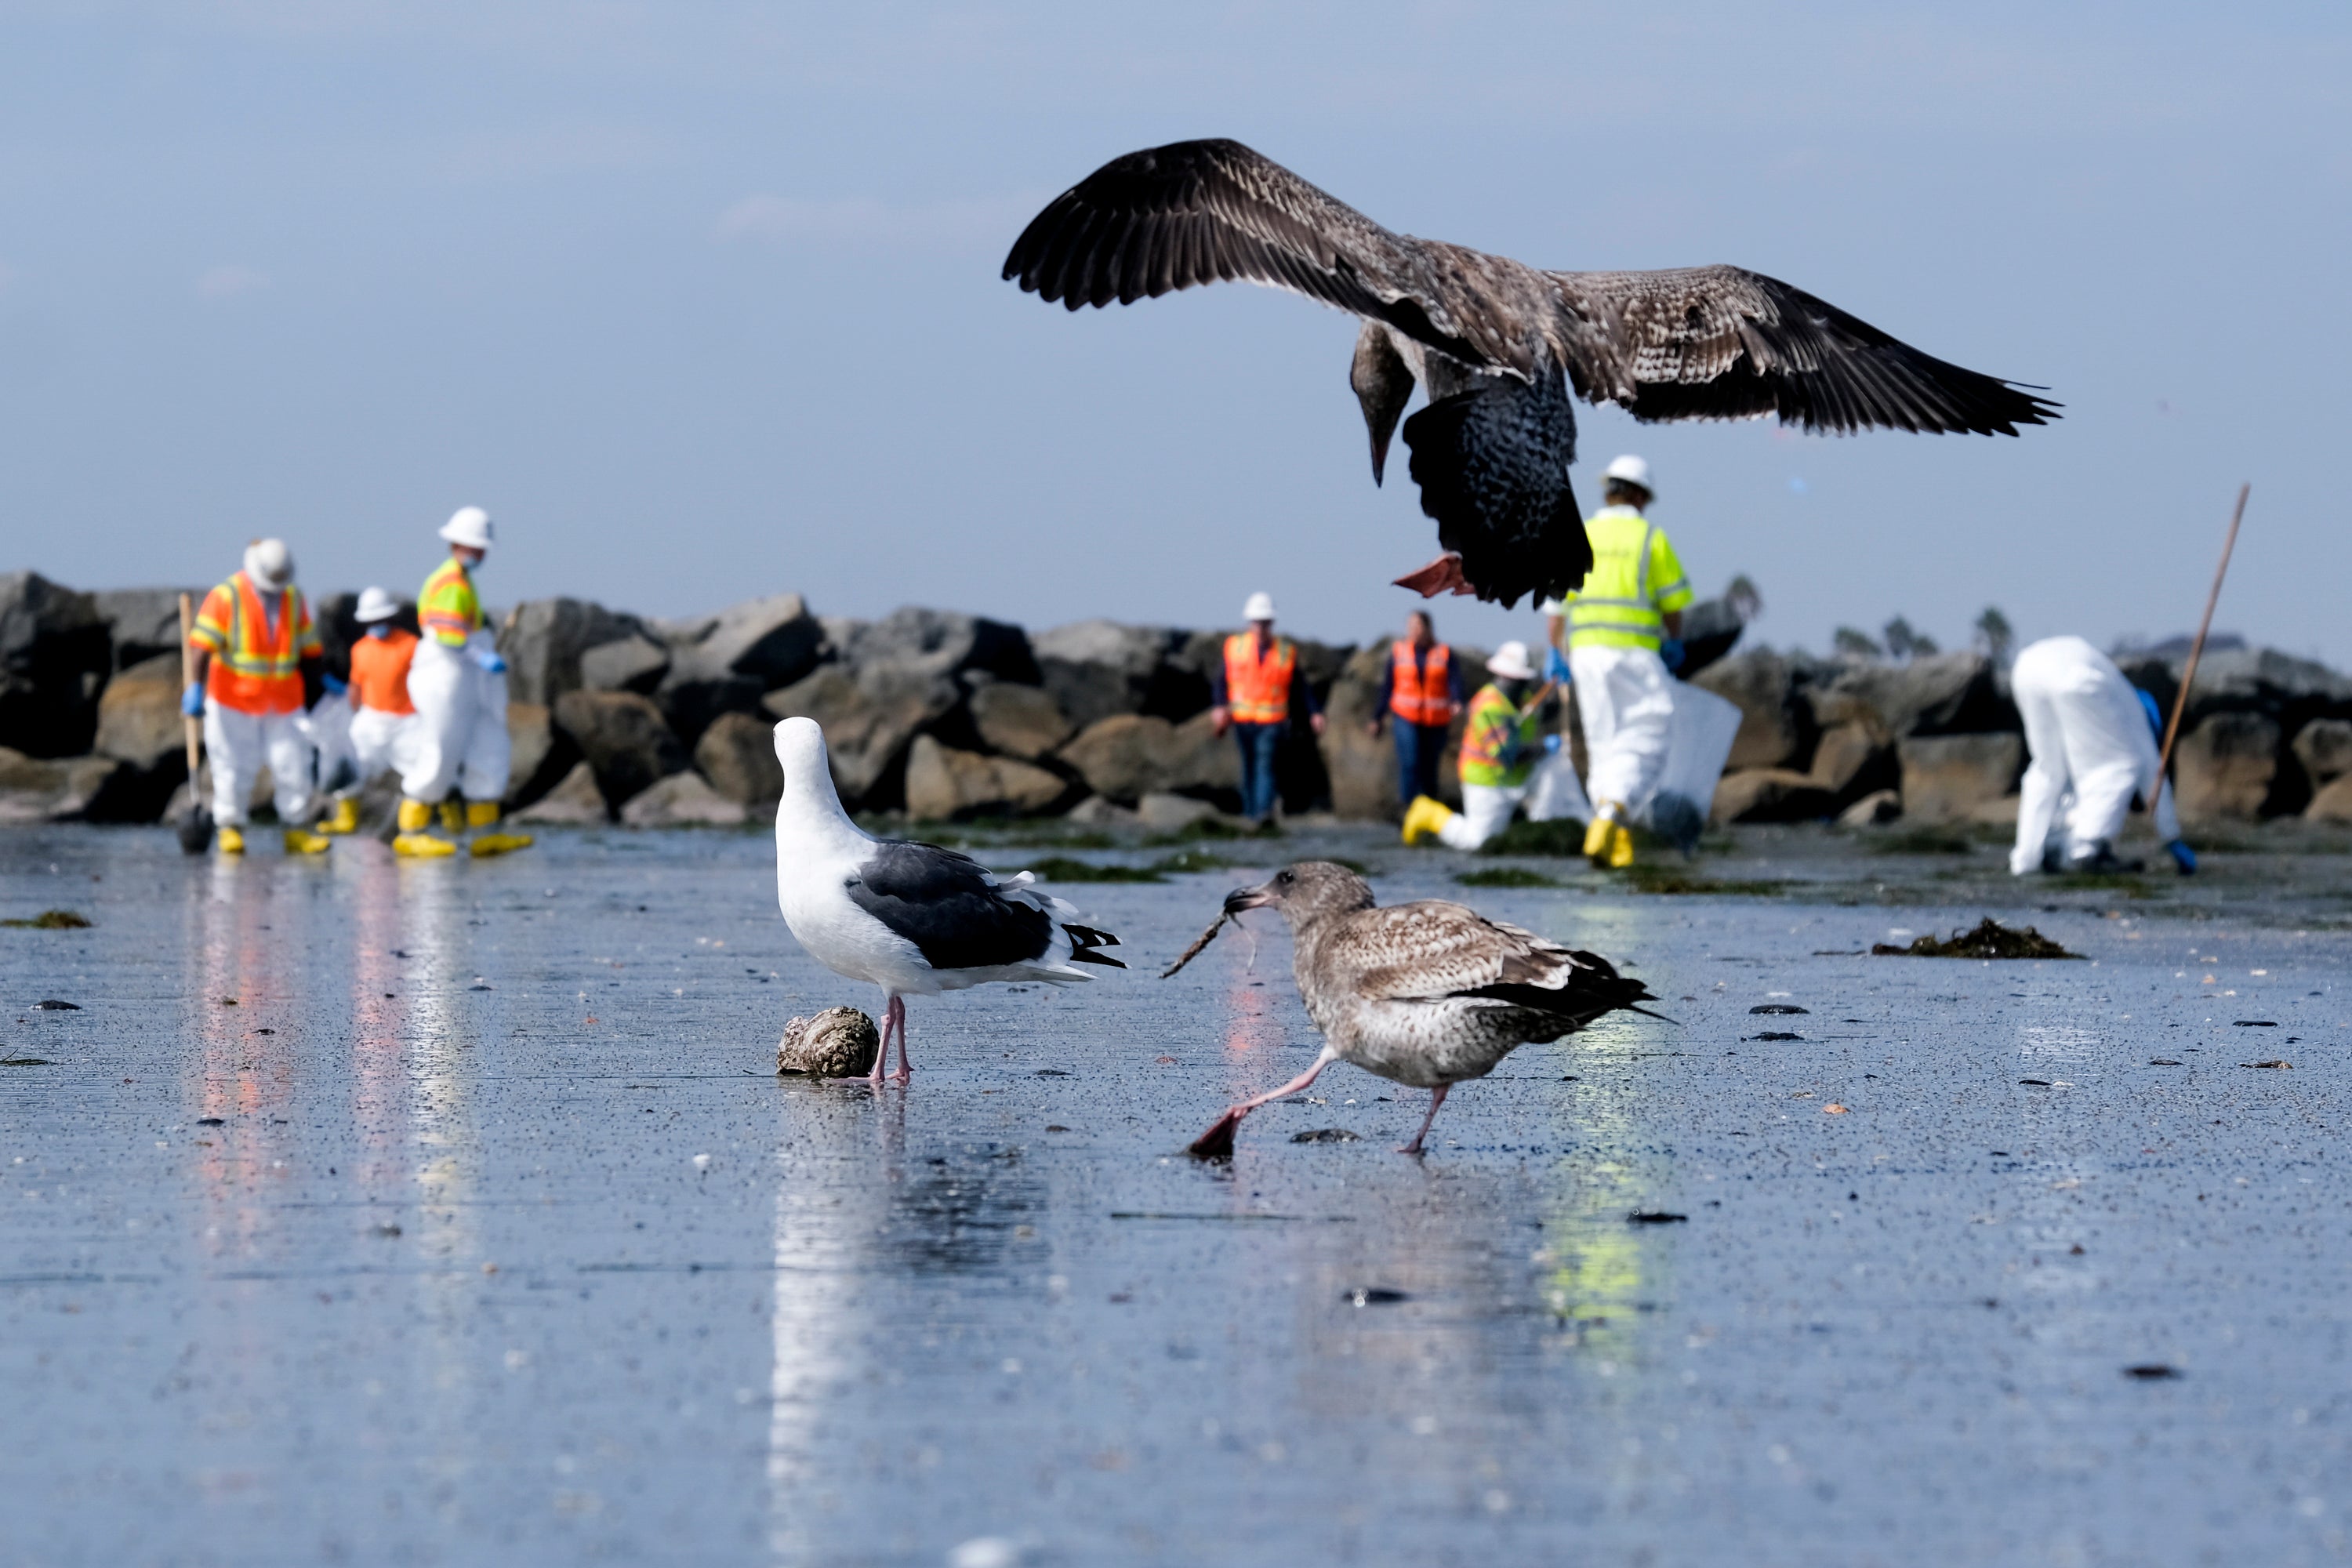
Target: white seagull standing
[{"x": 913, "y": 918}]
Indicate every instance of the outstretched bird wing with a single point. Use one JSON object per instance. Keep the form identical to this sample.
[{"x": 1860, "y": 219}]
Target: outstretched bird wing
[
  {"x": 1721, "y": 343},
  {"x": 1433, "y": 949},
  {"x": 1215, "y": 211}
]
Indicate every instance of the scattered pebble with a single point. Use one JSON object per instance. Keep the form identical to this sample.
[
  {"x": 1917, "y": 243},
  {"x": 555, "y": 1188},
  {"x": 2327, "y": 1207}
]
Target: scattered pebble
[
  {"x": 51, "y": 1004},
  {"x": 1325, "y": 1135}
]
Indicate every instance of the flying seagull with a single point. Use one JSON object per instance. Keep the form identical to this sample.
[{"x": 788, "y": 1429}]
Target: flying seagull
[
  {"x": 1498, "y": 344},
  {"x": 1426, "y": 994},
  {"x": 914, "y": 918}
]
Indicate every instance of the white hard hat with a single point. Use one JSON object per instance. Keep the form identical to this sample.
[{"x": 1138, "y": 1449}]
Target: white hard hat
[
  {"x": 469, "y": 525},
  {"x": 1633, "y": 471},
  {"x": 1259, "y": 608},
  {"x": 1510, "y": 662},
  {"x": 270, "y": 563},
  {"x": 375, "y": 604}
]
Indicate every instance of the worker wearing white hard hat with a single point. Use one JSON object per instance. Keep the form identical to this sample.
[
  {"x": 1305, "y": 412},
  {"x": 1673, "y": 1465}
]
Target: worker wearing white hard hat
[
  {"x": 1622, "y": 633},
  {"x": 2092, "y": 739},
  {"x": 380, "y": 719},
  {"x": 256, "y": 657},
  {"x": 1506, "y": 762},
  {"x": 1255, "y": 689},
  {"x": 458, "y": 680}
]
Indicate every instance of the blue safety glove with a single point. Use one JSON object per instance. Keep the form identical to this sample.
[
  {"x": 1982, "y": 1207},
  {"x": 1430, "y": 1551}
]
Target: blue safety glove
[
  {"x": 191, "y": 701},
  {"x": 2183, "y": 857},
  {"x": 335, "y": 688},
  {"x": 1551, "y": 744},
  {"x": 1556, "y": 667},
  {"x": 490, "y": 659},
  {"x": 1670, "y": 651}
]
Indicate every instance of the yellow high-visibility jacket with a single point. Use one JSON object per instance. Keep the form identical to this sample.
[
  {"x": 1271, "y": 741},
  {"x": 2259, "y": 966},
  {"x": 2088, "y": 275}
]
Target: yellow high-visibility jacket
[{"x": 1635, "y": 579}]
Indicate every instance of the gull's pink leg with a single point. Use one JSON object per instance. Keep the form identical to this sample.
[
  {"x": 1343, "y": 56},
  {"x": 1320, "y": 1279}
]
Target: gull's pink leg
[
  {"x": 1436, "y": 1098},
  {"x": 1218, "y": 1141},
  {"x": 882, "y": 1057},
  {"x": 898, "y": 1011}
]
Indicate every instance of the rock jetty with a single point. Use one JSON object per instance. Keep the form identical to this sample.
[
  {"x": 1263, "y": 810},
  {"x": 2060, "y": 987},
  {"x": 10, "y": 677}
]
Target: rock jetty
[{"x": 939, "y": 715}]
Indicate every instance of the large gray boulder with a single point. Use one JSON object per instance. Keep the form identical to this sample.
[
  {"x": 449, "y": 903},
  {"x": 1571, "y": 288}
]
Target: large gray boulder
[
  {"x": 542, "y": 754},
  {"x": 737, "y": 756},
  {"x": 624, "y": 738},
  {"x": 1129, "y": 755},
  {"x": 40, "y": 789},
  {"x": 1023, "y": 722},
  {"x": 542, "y": 640},
  {"x": 144, "y": 622},
  {"x": 870, "y": 715},
  {"x": 1939, "y": 694},
  {"x": 927, "y": 642},
  {"x": 1852, "y": 760},
  {"x": 1769, "y": 794},
  {"x": 2223, "y": 768},
  {"x": 575, "y": 801},
  {"x": 944, "y": 782},
  {"x": 683, "y": 800},
  {"x": 138, "y": 725},
  {"x": 1096, "y": 669},
  {"x": 1771, "y": 732},
  {"x": 54, "y": 656},
  {"x": 631, "y": 664},
  {"x": 1947, "y": 778},
  {"x": 725, "y": 663},
  {"x": 2323, "y": 747}
]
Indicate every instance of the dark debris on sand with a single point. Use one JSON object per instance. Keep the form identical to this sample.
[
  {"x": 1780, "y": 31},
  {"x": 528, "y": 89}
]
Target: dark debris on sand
[{"x": 1990, "y": 940}]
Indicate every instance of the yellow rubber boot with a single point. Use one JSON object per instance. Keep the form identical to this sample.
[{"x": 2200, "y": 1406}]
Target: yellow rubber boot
[
  {"x": 231, "y": 840},
  {"x": 1424, "y": 818},
  {"x": 413, "y": 841},
  {"x": 1597, "y": 837},
  {"x": 481, "y": 813},
  {"x": 453, "y": 816},
  {"x": 300, "y": 841},
  {"x": 344, "y": 818},
  {"x": 1621, "y": 847}
]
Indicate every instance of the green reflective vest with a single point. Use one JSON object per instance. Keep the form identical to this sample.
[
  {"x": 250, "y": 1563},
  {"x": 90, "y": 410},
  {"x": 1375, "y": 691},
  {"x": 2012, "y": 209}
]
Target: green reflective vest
[
  {"x": 1498, "y": 747},
  {"x": 1635, "y": 579}
]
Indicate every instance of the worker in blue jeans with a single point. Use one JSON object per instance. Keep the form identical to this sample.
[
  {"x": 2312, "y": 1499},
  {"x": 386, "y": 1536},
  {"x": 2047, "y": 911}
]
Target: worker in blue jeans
[
  {"x": 1421, "y": 692},
  {"x": 1254, "y": 689}
]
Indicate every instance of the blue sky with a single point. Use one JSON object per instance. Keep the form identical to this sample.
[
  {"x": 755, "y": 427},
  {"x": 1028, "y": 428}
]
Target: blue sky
[{"x": 701, "y": 301}]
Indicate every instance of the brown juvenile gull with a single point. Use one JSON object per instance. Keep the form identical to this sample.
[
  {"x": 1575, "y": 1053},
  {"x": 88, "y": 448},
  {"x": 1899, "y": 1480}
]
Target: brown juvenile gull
[
  {"x": 1498, "y": 344},
  {"x": 1426, "y": 994}
]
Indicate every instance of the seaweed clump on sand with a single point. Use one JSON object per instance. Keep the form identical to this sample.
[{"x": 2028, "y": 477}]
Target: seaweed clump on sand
[
  {"x": 52, "y": 920},
  {"x": 1990, "y": 940}
]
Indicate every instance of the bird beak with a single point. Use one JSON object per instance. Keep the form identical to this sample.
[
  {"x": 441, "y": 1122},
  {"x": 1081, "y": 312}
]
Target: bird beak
[{"x": 1256, "y": 898}]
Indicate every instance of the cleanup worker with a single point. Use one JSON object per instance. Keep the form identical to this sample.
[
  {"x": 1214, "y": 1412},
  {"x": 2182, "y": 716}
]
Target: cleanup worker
[
  {"x": 1252, "y": 692},
  {"x": 256, "y": 649},
  {"x": 1506, "y": 760},
  {"x": 1421, "y": 691},
  {"x": 2093, "y": 738},
  {"x": 458, "y": 683},
  {"x": 383, "y": 717},
  {"x": 1624, "y": 627}
]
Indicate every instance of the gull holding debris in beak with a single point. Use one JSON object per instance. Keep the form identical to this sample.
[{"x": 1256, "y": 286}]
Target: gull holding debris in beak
[{"x": 1426, "y": 994}]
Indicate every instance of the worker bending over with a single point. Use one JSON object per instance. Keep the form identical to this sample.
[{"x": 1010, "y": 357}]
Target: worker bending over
[
  {"x": 1421, "y": 691},
  {"x": 1253, "y": 690},
  {"x": 1506, "y": 760},
  {"x": 255, "y": 647},
  {"x": 1623, "y": 627},
  {"x": 383, "y": 717},
  {"x": 2093, "y": 738},
  {"x": 458, "y": 684}
]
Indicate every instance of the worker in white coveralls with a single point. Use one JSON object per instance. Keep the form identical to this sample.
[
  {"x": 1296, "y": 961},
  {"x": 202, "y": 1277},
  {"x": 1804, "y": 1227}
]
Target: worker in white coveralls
[
  {"x": 1624, "y": 627},
  {"x": 2093, "y": 738},
  {"x": 1506, "y": 760},
  {"x": 255, "y": 655},
  {"x": 458, "y": 682},
  {"x": 379, "y": 718}
]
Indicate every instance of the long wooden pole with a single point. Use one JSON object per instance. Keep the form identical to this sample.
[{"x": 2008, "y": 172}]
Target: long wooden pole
[
  {"x": 191, "y": 729},
  {"x": 2197, "y": 648}
]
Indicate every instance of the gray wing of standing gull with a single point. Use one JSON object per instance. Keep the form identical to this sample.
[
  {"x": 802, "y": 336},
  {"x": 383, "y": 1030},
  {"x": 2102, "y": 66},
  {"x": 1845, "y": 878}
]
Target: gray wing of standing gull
[
  {"x": 1721, "y": 342},
  {"x": 1215, "y": 211},
  {"x": 949, "y": 907}
]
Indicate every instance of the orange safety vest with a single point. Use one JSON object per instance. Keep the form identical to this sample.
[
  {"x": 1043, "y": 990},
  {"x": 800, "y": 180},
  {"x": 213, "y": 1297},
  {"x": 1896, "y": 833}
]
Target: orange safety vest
[
  {"x": 1421, "y": 693},
  {"x": 379, "y": 671},
  {"x": 256, "y": 667},
  {"x": 1257, "y": 690}
]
